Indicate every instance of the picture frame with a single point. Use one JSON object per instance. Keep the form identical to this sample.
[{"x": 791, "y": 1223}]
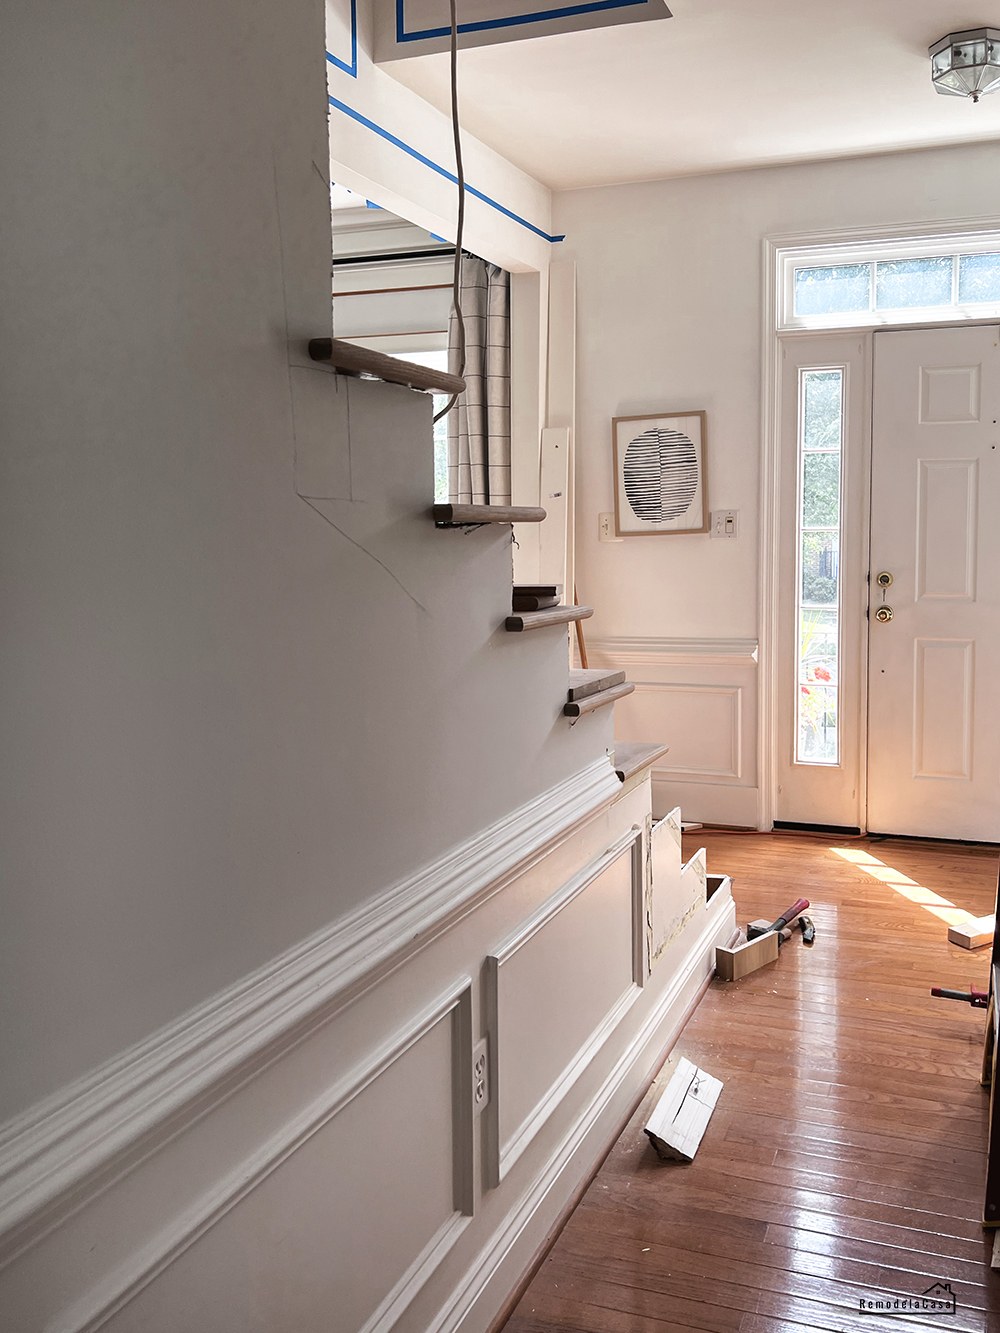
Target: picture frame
[{"x": 661, "y": 469}]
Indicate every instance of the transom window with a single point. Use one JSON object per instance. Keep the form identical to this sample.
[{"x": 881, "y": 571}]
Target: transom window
[{"x": 904, "y": 282}]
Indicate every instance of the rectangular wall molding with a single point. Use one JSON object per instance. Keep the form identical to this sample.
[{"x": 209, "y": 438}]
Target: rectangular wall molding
[
  {"x": 689, "y": 964},
  {"x": 617, "y": 964}
]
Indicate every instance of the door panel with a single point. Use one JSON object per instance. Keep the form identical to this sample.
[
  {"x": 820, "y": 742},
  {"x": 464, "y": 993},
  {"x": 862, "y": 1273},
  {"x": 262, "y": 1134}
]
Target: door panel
[{"x": 934, "y": 666}]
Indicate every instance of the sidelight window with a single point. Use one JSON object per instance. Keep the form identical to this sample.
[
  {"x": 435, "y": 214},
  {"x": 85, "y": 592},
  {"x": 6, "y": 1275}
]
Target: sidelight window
[{"x": 820, "y": 489}]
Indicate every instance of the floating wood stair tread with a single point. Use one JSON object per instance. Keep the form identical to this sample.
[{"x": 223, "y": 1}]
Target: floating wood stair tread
[
  {"x": 593, "y": 701},
  {"x": 350, "y": 360},
  {"x": 464, "y": 516},
  {"x": 553, "y": 615},
  {"x": 632, "y": 756},
  {"x": 582, "y": 683}
]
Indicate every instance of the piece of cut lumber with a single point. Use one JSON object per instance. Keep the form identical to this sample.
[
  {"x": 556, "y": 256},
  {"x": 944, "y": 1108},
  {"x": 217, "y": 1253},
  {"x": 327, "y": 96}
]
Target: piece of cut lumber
[
  {"x": 538, "y": 589},
  {"x": 600, "y": 700},
  {"x": 681, "y": 1116},
  {"x": 631, "y": 756},
  {"x": 468, "y": 516},
  {"x": 555, "y": 615},
  {"x": 349, "y": 359},
  {"x": 974, "y": 933},
  {"x": 731, "y": 964},
  {"x": 582, "y": 683},
  {"x": 529, "y": 602}
]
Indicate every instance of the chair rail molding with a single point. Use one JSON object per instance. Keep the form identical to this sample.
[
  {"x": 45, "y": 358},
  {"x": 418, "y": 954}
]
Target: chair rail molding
[
  {"x": 74, "y": 1144},
  {"x": 641, "y": 650}
]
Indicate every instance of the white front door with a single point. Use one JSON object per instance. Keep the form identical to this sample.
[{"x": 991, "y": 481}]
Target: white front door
[{"x": 934, "y": 607}]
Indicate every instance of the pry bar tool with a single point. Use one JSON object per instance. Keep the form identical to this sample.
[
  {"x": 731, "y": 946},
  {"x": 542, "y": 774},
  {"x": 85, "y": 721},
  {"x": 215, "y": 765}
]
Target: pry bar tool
[
  {"x": 789, "y": 914},
  {"x": 979, "y": 999}
]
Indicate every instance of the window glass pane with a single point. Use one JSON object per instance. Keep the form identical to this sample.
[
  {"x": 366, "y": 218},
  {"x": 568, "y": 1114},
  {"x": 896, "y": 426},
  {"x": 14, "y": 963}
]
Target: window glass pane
[
  {"x": 979, "y": 278},
  {"x": 818, "y": 647},
  {"x": 821, "y": 490},
  {"x": 820, "y": 559},
  {"x": 821, "y": 409},
  {"x": 832, "y": 291},
  {"x": 901, "y": 283},
  {"x": 817, "y": 738}
]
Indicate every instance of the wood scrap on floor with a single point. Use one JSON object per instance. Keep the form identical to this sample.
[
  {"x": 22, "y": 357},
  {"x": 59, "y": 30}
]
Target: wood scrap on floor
[
  {"x": 732, "y": 964},
  {"x": 974, "y": 933},
  {"x": 681, "y": 1116}
]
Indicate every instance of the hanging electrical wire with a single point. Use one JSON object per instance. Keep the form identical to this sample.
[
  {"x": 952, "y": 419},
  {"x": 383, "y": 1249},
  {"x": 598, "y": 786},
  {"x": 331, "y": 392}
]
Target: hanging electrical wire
[{"x": 456, "y": 286}]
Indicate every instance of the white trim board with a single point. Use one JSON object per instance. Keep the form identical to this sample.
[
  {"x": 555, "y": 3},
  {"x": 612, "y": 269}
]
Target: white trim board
[
  {"x": 639, "y": 651},
  {"x": 64, "y": 1149},
  {"x": 111, "y": 1295},
  {"x": 478, "y": 1296}
]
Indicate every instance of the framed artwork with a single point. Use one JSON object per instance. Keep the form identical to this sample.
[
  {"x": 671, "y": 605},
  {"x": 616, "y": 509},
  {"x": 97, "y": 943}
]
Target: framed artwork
[{"x": 660, "y": 474}]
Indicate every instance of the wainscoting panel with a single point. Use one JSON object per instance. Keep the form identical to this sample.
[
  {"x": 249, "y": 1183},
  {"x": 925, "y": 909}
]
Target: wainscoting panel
[
  {"x": 302, "y": 1151},
  {"x": 557, "y": 988},
  {"x": 699, "y": 697}
]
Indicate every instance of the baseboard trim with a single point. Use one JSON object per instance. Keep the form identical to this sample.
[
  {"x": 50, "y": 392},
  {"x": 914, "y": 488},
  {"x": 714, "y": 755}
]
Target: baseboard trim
[
  {"x": 67, "y": 1148},
  {"x": 487, "y": 1263}
]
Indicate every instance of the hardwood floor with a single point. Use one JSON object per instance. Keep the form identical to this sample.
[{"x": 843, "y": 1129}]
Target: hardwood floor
[{"x": 847, "y": 1152}]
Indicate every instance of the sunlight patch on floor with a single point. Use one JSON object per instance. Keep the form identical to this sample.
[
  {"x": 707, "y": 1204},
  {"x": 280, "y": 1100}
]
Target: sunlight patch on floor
[{"x": 903, "y": 885}]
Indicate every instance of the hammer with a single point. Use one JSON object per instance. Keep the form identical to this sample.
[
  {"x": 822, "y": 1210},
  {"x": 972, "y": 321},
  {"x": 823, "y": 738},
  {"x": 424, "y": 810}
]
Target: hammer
[{"x": 789, "y": 914}]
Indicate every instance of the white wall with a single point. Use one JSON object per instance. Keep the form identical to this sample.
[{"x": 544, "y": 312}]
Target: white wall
[
  {"x": 227, "y": 718},
  {"x": 669, "y": 318}
]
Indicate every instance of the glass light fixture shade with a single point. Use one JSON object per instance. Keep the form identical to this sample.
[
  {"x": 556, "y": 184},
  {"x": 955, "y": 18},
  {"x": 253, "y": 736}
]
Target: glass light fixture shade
[{"x": 967, "y": 64}]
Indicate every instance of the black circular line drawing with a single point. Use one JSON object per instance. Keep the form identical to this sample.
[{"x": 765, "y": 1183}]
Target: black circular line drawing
[{"x": 660, "y": 472}]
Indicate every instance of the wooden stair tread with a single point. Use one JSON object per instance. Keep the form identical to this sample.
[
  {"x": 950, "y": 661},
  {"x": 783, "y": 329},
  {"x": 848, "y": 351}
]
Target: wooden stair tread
[
  {"x": 600, "y": 700},
  {"x": 631, "y": 756},
  {"x": 584, "y": 682},
  {"x": 463, "y": 516},
  {"x": 553, "y": 615},
  {"x": 347, "y": 359}
]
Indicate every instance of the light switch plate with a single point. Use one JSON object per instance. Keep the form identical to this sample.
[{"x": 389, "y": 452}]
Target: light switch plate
[
  {"x": 606, "y": 528},
  {"x": 725, "y": 522}
]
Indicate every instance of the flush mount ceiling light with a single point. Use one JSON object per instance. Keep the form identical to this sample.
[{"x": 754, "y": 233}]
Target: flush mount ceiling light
[{"x": 966, "y": 64}]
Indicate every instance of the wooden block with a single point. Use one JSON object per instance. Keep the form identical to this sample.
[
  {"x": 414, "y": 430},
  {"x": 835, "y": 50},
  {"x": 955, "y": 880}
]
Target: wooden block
[
  {"x": 538, "y": 589},
  {"x": 731, "y": 964},
  {"x": 681, "y": 1116},
  {"x": 974, "y": 933},
  {"x": 584, "y": 683},
  {"x": 528, "y": 602}
]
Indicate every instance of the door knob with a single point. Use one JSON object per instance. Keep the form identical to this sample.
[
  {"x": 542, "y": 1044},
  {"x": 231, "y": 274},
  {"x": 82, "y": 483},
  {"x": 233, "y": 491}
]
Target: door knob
[
  {"x": 884, "y": 580},
  {"x": 884, "y": 614}
]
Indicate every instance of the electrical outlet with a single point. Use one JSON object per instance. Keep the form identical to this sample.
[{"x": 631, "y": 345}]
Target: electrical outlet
[
  {"x": 606, "y": 528},
  {"x": 725, "y": 522},
  {"x": 480, "y": 1076}
]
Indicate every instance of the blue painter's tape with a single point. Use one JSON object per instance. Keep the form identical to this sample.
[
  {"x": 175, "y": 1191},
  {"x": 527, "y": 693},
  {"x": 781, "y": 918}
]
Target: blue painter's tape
[
  {"x": 436, "y": 167},
  {"x": 438, "y": 238},
  {"x": 514, "y": 21},
  {"x": 352, "y": 68}
]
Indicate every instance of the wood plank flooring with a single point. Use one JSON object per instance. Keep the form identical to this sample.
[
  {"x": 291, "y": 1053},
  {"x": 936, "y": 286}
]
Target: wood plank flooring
[{"x": 847, "y": 1152}]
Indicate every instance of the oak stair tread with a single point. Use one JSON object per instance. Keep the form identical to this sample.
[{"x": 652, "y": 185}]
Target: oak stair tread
[
  {"x": 577, "y": 707},
  {"x": 553, "y": 615},
  {"x": 463, "y": 516},
  {"x": 347, "y": 359},
  {"x": 591, "y": 681},
  {"x": 631, "y": 756}
]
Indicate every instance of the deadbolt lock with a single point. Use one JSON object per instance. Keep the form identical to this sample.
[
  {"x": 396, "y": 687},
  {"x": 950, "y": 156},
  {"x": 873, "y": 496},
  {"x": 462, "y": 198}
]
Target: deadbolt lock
[
  {"x": 884, "y": 579},
  {"x": 884, "y": 614}
]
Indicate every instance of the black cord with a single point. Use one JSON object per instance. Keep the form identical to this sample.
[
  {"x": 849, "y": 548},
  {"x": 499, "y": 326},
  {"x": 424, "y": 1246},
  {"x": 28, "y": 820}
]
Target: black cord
[{"x": 456, "y": 285}]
